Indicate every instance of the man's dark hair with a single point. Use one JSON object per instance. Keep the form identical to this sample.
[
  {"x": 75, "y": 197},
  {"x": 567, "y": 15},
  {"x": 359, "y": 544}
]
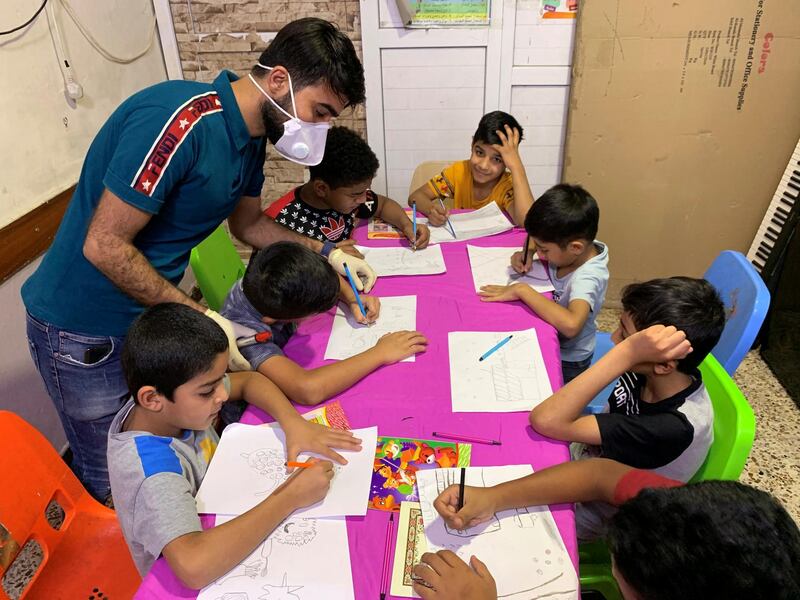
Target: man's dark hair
[
  {"x": 492, "y": 122},
  {"x": 563, "y": 214},
  {"x": 315, "y": 51},
  {"x": 713, "y": 539},
  {"x": 169, "y": 344},
  {"x": 286, "y": 281},
  {"x": 691, "y": 305},
  {"x": 348, "y": 159}
]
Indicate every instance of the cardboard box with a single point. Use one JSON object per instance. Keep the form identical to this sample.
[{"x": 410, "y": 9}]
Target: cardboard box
[{"x": 682, "y": 118}]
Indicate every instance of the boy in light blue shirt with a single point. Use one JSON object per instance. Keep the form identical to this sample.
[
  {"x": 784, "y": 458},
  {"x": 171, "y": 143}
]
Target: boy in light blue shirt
[{"x": 562, "y": 225}]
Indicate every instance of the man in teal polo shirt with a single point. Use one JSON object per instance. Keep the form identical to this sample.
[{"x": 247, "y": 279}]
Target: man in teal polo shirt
[{"x": 169, "y": 165}]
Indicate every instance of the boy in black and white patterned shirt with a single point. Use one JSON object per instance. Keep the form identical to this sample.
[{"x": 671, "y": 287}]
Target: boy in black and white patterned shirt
[{"x": 328, "y": 206}]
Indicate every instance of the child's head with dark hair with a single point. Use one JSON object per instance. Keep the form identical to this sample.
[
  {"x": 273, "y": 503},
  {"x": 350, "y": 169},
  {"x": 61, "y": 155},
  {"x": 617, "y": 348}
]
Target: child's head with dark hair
[
  {"x": 493, "y": 122},
  {"x": 315, "y": 52},
  {"x": 713, "y": 539},
  {"x": 690, "y": 305},
  {"x": 168, "y": 345},
  {"x": 345, "y": 174},
  {"x": 287, "y": 281},
  {"x": 485, "y": 162}
]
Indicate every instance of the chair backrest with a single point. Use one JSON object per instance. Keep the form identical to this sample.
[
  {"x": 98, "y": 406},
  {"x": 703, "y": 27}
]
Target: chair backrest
[
  {"x": 425, "y": 171},
  {"x": 734, "y": 425},
  {"x": 217, "y": 266},
  {"x": 87, "y": 551},
  {"x": 746, "y": 299}
]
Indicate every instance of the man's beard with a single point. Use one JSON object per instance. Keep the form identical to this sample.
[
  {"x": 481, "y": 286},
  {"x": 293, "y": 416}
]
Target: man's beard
[{"x": 274, "y": 119}]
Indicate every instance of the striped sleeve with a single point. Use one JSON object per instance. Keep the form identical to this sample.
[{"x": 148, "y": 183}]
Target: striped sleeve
[{"x": 155, "y": 150}]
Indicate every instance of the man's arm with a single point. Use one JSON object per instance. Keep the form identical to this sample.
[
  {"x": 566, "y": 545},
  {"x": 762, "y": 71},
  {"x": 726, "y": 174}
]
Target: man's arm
[
  {"x": 109, "y": 247},
  {"x": 249, "y": 224},
  {"x": 201, "y": 557}
]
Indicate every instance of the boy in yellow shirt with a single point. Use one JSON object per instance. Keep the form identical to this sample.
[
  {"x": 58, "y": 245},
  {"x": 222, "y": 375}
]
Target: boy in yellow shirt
[{"x": 493, "y": 173}]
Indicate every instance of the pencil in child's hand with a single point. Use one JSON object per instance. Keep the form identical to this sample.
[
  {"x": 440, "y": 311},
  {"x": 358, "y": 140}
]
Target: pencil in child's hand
[
  {"x": 461, "y": 489},
  {"x": 449, "y": 224},
  {"x": 414, "y": 222},
  {"x": 355, "y": 290},
  {"x": 525, "y": 250}
]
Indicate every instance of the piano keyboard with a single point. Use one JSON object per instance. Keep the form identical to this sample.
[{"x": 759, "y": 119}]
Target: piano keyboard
[{"x": 781, "y": 216}]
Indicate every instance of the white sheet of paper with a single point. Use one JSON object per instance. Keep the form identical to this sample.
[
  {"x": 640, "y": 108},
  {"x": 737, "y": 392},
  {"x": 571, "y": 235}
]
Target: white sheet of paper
[
  {"x": 289, "y": 564},
  {"x": 389, "y": 262},
  {"x": 488, "y": 220},
  {"x": 492, "y": 266},
  {"x": 249, "y": 464},
  {"x": 521, "y": 547},
  {"x": 513, "y": 378},
  {"x": 349, "y": 337}
]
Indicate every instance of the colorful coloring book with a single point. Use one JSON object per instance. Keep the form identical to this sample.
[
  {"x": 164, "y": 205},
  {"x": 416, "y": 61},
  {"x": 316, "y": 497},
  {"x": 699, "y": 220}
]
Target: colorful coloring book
[{"x": 397, "y": 461}]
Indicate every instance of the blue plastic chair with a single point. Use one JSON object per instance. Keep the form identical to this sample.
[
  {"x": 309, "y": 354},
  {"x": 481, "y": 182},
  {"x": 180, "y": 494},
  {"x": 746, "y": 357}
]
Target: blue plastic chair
[{"x": 746, "y": 300}]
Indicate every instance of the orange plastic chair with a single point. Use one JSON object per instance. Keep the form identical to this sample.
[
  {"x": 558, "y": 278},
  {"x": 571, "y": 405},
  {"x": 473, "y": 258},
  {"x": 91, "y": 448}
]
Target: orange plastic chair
[{"x": 86, "y": 557}]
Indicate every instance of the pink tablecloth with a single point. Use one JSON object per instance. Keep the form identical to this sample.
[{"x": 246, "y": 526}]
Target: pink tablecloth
[{"x": 413, "y": 399}]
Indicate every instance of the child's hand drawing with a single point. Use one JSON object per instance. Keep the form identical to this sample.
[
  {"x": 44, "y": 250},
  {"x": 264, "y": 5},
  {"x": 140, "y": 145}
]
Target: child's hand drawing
[
  {"x": 394, "y": 347},
  {"x": 479, "y": 506},
  {"x": 423, "y": 235},
  {"x": 308, "y": 486},
  {"x": 372, "y": 304},
  {"x": 501, "y": 293},
  {"x": 305, "y": 436},
  {"x": 522, "y": 264},
  {"x": 438, "y": 215}
]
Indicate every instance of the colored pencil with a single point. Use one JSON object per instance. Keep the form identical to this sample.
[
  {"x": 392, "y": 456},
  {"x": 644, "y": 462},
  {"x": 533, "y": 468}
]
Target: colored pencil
[
  {"x": 495, "y": 348},
  {"x": 449, "y": 224},
  {"x": 259, "y": 338},
  {"x": 461, "y": 489},
  {"x": 414, "y": 222},
  {"x": 385, "y": 578},
  {"x": 525, "y": 249},
  {"x": 355, "y": 289},
  {"x": 299, "y": 465},
  {"x": 466, "y": 438}
]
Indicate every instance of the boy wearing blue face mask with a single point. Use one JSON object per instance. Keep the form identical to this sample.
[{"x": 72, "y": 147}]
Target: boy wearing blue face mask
[{"x": 338, "y": 193}]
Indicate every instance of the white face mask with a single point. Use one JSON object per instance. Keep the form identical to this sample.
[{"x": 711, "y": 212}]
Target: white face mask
[{"x": 301, "y": 142}]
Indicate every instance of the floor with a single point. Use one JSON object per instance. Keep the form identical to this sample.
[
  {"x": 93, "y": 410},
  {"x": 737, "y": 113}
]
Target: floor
[{"x": 773, "y": 466}]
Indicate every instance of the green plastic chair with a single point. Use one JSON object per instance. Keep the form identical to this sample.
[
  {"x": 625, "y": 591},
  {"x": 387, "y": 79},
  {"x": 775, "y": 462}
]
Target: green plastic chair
[
  {"x": 734, "y": 432},
  {"x": 217, "y": 266}
]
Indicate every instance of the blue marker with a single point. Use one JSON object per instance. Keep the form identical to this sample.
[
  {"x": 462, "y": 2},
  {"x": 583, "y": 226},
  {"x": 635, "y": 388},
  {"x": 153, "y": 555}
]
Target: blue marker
[
  {"x": 495, "y": 348},
  {"x": 414, "y": 221},
  {"x": 355, "y": 289},
  {"x": 449, "y": 224}
]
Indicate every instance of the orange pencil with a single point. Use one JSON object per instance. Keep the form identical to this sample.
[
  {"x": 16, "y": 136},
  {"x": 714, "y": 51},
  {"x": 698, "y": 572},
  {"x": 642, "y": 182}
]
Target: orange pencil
[{"x": 299, "y": 465}]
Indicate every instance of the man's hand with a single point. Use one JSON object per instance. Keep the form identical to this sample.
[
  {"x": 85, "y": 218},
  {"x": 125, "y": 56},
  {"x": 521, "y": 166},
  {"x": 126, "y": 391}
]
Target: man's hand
[
  {"x": 349, "y": 246},
  {"x": 438, "y": 215},
  {"x": 305, "y": 436},
  {"x": 446, "y": 577},
  {"x": 372, "y": 304},
  {"x": 399, "y": 345},
  {"x": 236, "y": 362},
  {"x": 500, "y": 293},
  {"x": 308, "y": 486},
  {"x": 363, "y": 275},
  {"x": 479, "y": 506},
  {"x": 656, "y": 344},
  {"x": 520, "y": 263}
]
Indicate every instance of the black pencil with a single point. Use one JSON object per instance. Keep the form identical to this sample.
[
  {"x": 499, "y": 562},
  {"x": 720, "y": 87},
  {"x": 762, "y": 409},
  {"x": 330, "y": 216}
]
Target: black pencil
[
  {"x": 461, "y": 489},
  {"x": 525, "y": 249}
]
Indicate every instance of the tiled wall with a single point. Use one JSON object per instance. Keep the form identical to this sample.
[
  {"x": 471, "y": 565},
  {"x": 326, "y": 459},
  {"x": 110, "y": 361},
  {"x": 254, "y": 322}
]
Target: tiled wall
[{"x": 214, "y": 35}]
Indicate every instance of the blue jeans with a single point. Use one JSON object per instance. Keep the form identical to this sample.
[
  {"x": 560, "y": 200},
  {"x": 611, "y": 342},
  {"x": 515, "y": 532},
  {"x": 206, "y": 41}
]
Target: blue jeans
[
  {"x": 84, "y": 379},
  {"x": 570, "y": 370}
]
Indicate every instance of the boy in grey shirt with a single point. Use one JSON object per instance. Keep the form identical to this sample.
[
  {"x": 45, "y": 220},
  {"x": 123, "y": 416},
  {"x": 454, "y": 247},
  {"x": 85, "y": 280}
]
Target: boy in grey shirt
[
  {"x": 160, "y": 444},
  {"x": 562, "y": 224}
]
